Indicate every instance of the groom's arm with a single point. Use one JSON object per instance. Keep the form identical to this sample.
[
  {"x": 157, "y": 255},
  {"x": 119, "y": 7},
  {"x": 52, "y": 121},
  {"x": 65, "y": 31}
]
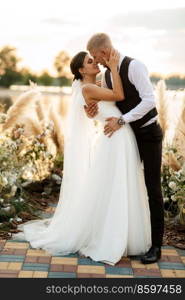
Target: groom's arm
[{"x": 139, "y": 77}]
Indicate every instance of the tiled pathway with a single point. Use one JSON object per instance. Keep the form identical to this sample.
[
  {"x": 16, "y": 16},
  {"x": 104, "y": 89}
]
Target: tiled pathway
[{"x": 18, "y": 259}]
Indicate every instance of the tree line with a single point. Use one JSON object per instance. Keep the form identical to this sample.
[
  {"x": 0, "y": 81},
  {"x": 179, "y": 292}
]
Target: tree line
[
  {"x": 172, "y": 81},
  {"x": 10, "y": 73}
]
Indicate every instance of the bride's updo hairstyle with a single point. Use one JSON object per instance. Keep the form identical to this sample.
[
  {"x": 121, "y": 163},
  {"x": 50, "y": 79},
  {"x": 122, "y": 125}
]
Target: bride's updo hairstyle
[{"x": 77, "y": 63}]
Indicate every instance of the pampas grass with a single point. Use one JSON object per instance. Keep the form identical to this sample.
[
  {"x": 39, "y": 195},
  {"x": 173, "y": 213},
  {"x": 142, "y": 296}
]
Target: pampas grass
[
  {"x": 35, "y": 124},
  {"x": 33, "y": 110},
  {"x": 17, "y": 111},
  {"x": 40, "y": 111},
  {"x": 33, "y": 127},
  {"x": 43, "y": 109},
  {"x": 179, "y": 137},
  {"x": 58, "y": 125},
  {"x": 162, "y": 105},
  {"x": 2, "y": 108},
  {"x": 171, "y": 160}
]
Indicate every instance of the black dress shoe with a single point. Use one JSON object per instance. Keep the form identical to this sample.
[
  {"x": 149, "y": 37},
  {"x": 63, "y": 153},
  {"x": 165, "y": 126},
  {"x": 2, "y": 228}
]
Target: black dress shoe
[{"x": 153, "y": 255}]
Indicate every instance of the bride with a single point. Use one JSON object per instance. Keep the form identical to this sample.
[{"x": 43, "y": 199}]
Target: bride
[{"x": 102, "y": 212}]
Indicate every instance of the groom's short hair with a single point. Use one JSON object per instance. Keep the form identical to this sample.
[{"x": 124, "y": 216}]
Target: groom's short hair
[{"x": 99, "y": 40}]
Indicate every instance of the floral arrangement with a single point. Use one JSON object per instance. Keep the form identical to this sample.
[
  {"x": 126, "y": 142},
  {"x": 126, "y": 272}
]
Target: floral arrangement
[
  {"x": 23, "y": 162},
  {"x": 173, "y": 185},
  {"x": 173, "y": 160}
]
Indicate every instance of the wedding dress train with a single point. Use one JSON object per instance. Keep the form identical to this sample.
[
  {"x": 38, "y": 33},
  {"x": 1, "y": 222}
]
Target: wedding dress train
[{"x": 103, "y": 210}]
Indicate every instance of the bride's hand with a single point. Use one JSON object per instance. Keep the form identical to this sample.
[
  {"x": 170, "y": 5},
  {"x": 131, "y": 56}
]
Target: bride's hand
[
  {"x": 113, "y": 59},
  {"x": 91, "y": 109},
  {"x": 98, "y": 83}
]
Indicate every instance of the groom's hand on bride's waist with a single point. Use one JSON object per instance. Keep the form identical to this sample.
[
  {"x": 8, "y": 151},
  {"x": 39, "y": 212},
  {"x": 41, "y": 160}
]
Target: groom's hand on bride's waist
[
  {"x": 111, "y": 126},
  {"x": 91, "y": 109}
]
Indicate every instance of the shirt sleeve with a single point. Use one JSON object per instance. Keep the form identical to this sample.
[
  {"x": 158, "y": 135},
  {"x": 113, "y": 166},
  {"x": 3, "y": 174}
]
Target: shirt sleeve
[{"x": 139, "y": 77}]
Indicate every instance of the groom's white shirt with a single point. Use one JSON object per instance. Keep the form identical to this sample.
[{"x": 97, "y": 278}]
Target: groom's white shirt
[{"x": 138, "y": 76}]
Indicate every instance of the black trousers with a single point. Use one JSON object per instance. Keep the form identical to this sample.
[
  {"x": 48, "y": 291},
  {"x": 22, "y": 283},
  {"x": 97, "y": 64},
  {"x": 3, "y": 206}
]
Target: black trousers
[{"x": 149, "y": 140}]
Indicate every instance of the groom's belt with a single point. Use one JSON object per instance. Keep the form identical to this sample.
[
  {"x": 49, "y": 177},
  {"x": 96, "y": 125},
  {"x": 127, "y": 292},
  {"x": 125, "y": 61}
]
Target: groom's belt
[{"x": 138, "y": 123}]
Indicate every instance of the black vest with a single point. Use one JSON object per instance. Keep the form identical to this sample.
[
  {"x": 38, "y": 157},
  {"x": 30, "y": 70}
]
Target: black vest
[{"x": 132, "y": 98}]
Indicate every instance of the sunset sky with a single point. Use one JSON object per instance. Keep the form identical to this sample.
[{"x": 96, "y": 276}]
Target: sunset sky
[{"x": 151, "y": 31}]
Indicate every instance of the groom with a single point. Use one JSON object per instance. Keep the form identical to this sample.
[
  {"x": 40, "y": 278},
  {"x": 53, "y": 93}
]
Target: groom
[{"x": 138, "y": 109}]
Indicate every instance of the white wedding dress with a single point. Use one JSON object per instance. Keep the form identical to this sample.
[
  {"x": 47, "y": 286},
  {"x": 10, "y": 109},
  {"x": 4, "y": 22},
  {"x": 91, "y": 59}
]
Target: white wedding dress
[{"x": 103, "y": 211}]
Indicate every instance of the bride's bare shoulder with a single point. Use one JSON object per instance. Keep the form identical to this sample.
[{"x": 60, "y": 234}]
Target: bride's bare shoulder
[{"x": 88, "y": 88}]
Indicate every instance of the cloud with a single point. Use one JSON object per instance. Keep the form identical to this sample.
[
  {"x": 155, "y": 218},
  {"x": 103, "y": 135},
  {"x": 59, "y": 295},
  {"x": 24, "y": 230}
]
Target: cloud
[
  {"x": 157, "y": 37},
  {"x": 154, "y": 36},
  {"x": 173, "y": 44},
  {"x": 61, "y": 21},
  {"x": 163, "y": 19}
]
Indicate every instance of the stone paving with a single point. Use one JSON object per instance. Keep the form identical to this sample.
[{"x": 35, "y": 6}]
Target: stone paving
[{"x": 18, "y": 260}]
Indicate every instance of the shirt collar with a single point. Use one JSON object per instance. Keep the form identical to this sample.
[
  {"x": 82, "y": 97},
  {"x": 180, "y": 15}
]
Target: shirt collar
[{"x": 121, "y": 59}]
